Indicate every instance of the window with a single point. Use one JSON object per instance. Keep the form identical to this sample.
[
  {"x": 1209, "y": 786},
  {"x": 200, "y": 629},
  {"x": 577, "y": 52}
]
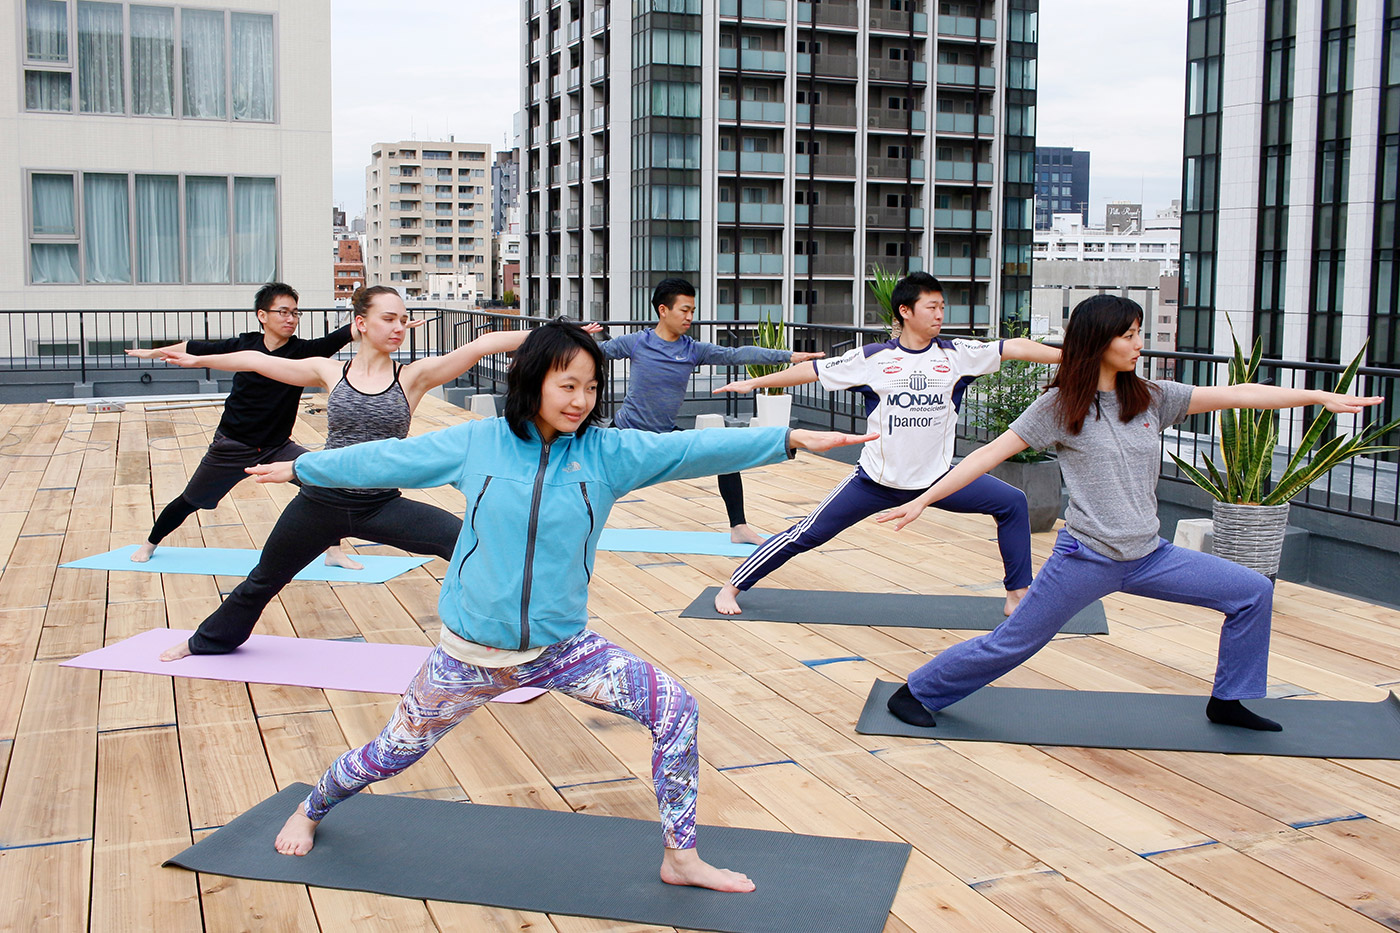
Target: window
[
  {"x": 119, "y": 228},
  {"x": 226, "y": 61},
  {"x": 669, "y": 99}
]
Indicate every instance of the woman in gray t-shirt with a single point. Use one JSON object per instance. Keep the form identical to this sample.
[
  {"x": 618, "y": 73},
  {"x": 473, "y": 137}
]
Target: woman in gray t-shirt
[{"x": 1103, "y": 421}]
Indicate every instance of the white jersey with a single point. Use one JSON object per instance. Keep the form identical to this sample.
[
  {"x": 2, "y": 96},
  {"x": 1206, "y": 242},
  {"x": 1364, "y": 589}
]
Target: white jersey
[{"x": 912, "y": 399}]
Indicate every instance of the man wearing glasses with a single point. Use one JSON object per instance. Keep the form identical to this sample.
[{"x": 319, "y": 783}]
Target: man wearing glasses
[{"x": 258, "y": 415}]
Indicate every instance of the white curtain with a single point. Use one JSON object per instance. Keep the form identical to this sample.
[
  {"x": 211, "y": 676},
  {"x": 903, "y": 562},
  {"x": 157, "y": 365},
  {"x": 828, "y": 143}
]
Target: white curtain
[
  {"x": 202, "y": 48},
  {"x": 100, "y": 82},
  {"x": 157, "y": 228},
  {"x": 106, "y": 228},
  {"x": 153, "y": 60},
  {"x": 255, "y": 229},
  {"x": 46, "y": 30},
  {"x": 52, "y": 211},
  {"x": 48, "y": 90},
  {"x": 252, "y": 67},
  {"x": 206, "y": 229}
]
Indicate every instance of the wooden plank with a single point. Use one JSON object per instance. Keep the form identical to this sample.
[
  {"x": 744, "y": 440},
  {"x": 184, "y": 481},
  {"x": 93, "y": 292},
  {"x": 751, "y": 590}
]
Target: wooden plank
[
  {"x": 46, "y": 888},
  {"x": 226, "y": 767},
  {"x": 130, "y": 700},
  {"x": 562, "y": 749}
]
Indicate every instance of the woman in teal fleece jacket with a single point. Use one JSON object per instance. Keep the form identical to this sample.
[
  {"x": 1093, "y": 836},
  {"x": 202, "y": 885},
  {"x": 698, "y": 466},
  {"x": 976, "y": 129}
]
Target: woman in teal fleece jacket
[{"x": 539, "y": 485}]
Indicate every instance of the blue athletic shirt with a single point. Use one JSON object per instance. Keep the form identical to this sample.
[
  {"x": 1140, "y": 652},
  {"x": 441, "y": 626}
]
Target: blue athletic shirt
[{"x": 911, "y": 399}]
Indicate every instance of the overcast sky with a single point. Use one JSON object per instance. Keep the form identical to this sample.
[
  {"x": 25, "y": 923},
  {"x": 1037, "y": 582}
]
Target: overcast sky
[{"x": 1111, "y": 81}]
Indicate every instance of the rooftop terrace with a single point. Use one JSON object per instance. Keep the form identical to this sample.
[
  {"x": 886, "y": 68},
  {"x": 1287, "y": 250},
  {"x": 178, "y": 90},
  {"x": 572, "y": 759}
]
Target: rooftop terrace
[{"x": 105, "y": 775}]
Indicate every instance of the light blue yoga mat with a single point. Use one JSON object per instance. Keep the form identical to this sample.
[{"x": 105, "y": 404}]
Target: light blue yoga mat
[
  {"x": 661, "y": 541},
  {"x": 239, "y": 562}
]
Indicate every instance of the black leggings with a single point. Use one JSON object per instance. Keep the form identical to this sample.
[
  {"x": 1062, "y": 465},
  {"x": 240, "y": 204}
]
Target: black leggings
[
  {"x": 731, "y": 490},
  {"x": 305, "y": 529}
]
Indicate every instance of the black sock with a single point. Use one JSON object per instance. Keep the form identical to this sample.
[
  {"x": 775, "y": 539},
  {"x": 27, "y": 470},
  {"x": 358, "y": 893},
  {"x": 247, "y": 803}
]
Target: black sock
[
  {"x": 1233, "y": 713},
  {"x": 906, "y": 708}
]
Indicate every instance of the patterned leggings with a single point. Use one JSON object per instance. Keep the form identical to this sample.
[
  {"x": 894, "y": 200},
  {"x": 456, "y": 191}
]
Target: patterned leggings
[{"x": 586, "y": 667}]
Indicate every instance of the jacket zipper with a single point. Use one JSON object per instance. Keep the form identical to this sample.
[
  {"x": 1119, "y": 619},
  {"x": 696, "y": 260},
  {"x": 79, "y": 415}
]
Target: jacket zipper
[
  {"x": 530, "y": 548},
  {"x": 583, "y": 488},
  {"x": 476, "y": 505}
]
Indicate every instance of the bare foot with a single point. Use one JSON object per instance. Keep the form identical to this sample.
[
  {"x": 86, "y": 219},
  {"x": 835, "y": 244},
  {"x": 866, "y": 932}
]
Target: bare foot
[
  {"x": 335, "y": 557},
  {"x": 175, "y": 653},
  {"x": 298, "y": 834},
  {"x": 727, "y": 600},
  {"x": 684, "y": 866},
  {"x": 1013, "y": 599},
  {"x": 143, "y": 553},
  {"x": 743, "y": 534}
]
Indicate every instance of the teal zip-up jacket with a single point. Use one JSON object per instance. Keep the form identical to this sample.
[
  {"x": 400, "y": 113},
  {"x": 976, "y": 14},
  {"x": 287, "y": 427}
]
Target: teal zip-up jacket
[{"x": 520, "y": 571}]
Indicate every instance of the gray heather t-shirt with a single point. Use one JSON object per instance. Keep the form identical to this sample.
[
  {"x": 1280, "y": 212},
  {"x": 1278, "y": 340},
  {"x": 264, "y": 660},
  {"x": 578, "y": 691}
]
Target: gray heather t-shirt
[{"x": 1109, "y": 467}]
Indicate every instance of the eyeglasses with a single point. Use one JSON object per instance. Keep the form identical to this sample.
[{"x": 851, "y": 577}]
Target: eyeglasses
[{"x": 295, "y": 315}]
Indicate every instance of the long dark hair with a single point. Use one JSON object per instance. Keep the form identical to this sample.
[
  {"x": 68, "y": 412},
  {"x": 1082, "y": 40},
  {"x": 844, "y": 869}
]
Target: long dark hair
[
  {"x": 1093, "y": 325},
  {"x": 552, "y": 346}
]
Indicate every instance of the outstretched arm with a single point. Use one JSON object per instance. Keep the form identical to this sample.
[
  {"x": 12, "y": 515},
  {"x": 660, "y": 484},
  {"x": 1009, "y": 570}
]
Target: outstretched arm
[
  {"x": 1253, "y": 395},
  {"x": 312, "y": 371},
  {"x": 972, "y": 466},
  {"x": 795, "y": 375},
  {"x": 1032, "y": 351},
  {"x": 155, "y": 353}
]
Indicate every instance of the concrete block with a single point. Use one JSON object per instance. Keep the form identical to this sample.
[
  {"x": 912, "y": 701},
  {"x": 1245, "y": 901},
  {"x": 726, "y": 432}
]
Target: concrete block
[
  {"x": 709, "y": 421},
  {"x": 484, "y": 405},
  {"x": 1195, "y": 533}
]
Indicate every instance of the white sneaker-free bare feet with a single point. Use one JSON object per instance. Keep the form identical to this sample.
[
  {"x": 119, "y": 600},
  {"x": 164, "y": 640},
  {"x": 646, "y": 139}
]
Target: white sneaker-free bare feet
[
  {"x": 143, "y": 553},
  {"x": 176, "y": 652},
  {"x": 1013, "y": 599},
  {"x": 684, "y": 866},
  {"x": 743, "y": 534},
  {"x": 335, "y": 557},
  {"x": 727, "y": 600},
  {"x": 298, "y": 834}
]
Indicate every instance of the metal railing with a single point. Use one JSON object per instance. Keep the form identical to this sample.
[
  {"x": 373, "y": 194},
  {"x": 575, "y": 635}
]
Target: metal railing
[{"x": 82, "y": 344}]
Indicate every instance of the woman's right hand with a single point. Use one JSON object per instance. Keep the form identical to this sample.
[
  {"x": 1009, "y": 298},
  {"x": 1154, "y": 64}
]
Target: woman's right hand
[
  {"x": 903, "y": 515},
  {"x": 283, "y": 471},
  {"x": 176, "y": 358}
]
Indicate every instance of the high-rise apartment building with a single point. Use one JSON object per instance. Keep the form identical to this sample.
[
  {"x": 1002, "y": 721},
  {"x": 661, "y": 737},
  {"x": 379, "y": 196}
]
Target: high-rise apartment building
[
  {"x": 160, "y": 156},
  {"x": 1061, "y": 184},
  {"x": 774, "y": 151},
  {"x": 428, "y": 219},
  {"x": 505, "y": 189},
  {"x": 1290, "y": 190}
]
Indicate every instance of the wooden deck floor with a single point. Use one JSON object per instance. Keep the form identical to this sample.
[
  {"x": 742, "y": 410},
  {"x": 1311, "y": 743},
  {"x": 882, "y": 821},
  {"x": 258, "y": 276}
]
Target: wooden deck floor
[{"x": 107, "y": 774}]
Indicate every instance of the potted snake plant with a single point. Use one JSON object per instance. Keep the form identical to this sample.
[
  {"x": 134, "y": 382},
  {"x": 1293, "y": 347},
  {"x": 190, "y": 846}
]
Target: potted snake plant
[
  {"x": 1250, "y": 510},
  {"x": 773, "y": 406}
]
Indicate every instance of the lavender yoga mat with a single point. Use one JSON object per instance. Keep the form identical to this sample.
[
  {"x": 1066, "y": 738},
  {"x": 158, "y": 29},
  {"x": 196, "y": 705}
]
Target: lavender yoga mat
[{"x": 364, "y": 667}]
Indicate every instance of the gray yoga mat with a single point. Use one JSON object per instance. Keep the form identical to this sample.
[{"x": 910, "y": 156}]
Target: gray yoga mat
[
  {"x": 561, "y": 863},
  {"x": 1158, "y": 721},
  {"x": 902, "y": 610}
]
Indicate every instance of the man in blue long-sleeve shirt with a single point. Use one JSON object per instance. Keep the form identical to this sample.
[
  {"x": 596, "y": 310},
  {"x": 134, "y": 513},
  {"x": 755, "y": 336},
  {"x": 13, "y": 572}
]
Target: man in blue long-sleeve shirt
[{"x": 663, "y": 359}]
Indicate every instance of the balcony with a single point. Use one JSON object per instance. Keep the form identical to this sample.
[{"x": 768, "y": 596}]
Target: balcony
[
  {"x": 764, "y": 162},
  {"x": 822, "y": 311},
  {"x": 833, "y": 165},
  {"x": 961, "y": 267},
  {"x": 885, "y": 69},
  {"x": 556, "y": 220},
  {"x": 825, "y": 264},
  {"x": 946, "y": 219},
  {"x": 887, "y": 118},
  {"x": 768, "y": 214},
  {"x": 598, "y": 215},
  {"x": 883, "y": 167},
  {"x": 752, "y": 111},
  {"x": 827, "y": 115},
  {"x": 598, "y": 118},
  {"x": 965, "y": 123},
  {"x": 598, "y": 19},
  {"x": 965, "y": 316},
  {"x": 966, "y": 27},
  {"x": 598, "y": 166},
  {"x": 750, "y": 264},
  {"x": 552, "y": 264},
  {"x": 828, "y": 65},
  {"x": 575, "y": 31},
  {"x": 772, "y": 10},
  {"x": 598, "y": 263},
  {"x": 753, "y": 60},
  {"x": 829, "y": 14},
  {"x": 575, "y": 124},
  {"x": 966, "y": 76},
  {"x": 824, "y": 215},
  {"x": 748, "y": 312},
  {"x": 598, "y": 70},
  {"x": 573, "y": 264},
  {"x": 962, "y": 171},
  {"x": 897, "y": 218},
  {"x": 898, "y": 21},
  {"x": 575, "y": 78},
  {"x": 574, "y": 218}
]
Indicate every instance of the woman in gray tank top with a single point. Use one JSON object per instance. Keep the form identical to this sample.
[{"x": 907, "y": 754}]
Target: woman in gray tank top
[
  {"x": 370, "y": 398},
  {"x": 1104, "y": 422}
]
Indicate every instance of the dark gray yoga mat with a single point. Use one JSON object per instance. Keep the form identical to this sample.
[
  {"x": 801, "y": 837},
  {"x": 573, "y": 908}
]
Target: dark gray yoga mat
[
  {"x": 1158, "y": 721},
  {"x": 902, "y": 610},
  {"x": 561, "y": 863}
]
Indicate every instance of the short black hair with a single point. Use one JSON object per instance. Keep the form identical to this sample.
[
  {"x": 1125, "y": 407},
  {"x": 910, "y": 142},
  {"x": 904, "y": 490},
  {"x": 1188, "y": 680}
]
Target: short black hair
[
  {"x": 551, "y": 346},
  {"x": 270, "y": 292},
  {"x": 908, "y": 290},
  {"x": 668, "y": 290}
]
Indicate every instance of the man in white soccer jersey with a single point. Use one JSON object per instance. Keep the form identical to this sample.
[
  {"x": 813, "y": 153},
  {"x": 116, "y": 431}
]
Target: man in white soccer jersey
[{"x": 913, "y": 385}]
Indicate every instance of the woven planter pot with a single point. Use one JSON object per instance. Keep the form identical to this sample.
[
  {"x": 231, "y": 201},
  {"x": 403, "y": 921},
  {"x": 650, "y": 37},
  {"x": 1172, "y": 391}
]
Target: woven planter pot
[{"x": 1250, "y": 535}]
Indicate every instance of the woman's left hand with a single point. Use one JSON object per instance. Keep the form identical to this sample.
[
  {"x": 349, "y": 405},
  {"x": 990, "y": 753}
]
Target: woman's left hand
[
  {"x": 283, "y": 471},
  {"x": 593, "y": 327},
  {"x": 817, "y": 441},
  {"x": 1349, "y": 404}
]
